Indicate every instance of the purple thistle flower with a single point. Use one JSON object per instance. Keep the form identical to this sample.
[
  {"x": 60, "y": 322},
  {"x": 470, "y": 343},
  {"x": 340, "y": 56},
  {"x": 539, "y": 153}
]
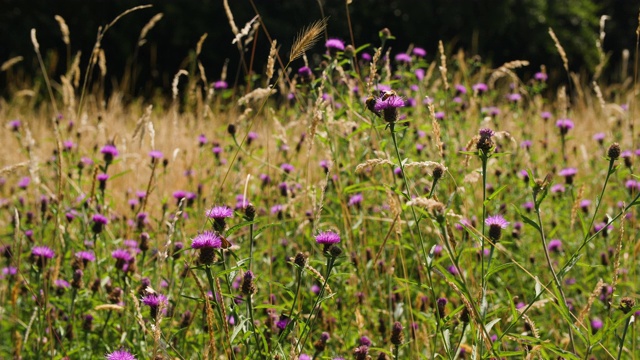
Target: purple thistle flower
[
  {"x": 220, "y": 85},
  {"x": 219, "y": 212},
  {"x": 202, "y": 140},
  {"x": 24, "y": 182},
  {"x": 584, "y": 204},
  {"x": 207, "y": 239},
  {"x": 179, "y": 195},
  {"x": 388, "y": 105},
  {"x": 99, "y": 221},
  {"x": 282, "y": 322},
  {"x": 403, "y": 58},
  {"x": 85, "y": 256},
  {"x": 287, "y": 167},
  {"x": 568, "y": 174},
  {"x": 365, "y": 341},
  {"x": 305, "y": 72},
  {"x": 557, "y": 188},
  {"x": 555, "y": 245},
  {"x": 327, "y": 238},
  {"x": 486, "y": 132},
  {"x": 365, "y": 56},
  {"x": 119, "y": 355},
  {"x": 564, "y": 125},
  {"x": 480, "y": 88},
  {"x": 67, "y": 145},
  {"x": 596, "y": 324},
  {"x": 42, "y": 252},
  {"x": 461, "y": 89},
  {"x": 14, "y": 125},
  {"x": 154, "y": 301},
  {"x": 541, "y": 76},
  {"x": 496, "y": 223},
  {"x": 9, "y": 271},
  {"x": 102, "y": 177},
  {"x": 355, "y": 200},
  {"x": 419, "y": 52},
  {"x": 155, "y": 155},
  {"x": 62, "y": 284},
  {"x": 109, "y": 152},
  {"x": 514, "y": 97},
  {"x": 334, "y": 45},
  {"x": 526, "y": 144},
  {"x": 439, "y": 115}
]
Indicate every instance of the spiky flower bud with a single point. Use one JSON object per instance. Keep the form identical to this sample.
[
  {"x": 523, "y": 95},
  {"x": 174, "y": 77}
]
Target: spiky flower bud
[
  {"x": 626, "y": 304},
  {"x": 397, "y": 335},
  {"x": 300, "y": 260},
  {"x": 248, "y": 287},
  {"x": 614, "y": 151}
]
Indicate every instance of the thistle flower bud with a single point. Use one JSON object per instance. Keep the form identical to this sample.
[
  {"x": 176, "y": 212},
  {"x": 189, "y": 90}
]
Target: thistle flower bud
[
  {"x": 614, "y": 152},
  {"x": 397, "y": 336},
  {"x": 300, "y": 260},
  {"x": 626, "y": 303}
]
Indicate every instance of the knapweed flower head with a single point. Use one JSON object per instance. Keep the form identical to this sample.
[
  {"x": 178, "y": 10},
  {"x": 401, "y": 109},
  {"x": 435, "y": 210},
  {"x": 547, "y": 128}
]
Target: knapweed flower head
[
  {"x": 568, "y": 174},
  {"x": 555, "y": 245},
  {"x": 119, "y": 355},
  {"x": 545, "y": 115},
  {"x": 334, "y": 45},
  {"x": 397, "y": 336},
  {"x": 109, "y": 152},
  {"x": 355, "y": 200},
  {"x": 541, "y": 76},
  {"x": 403, "y": 58},
  {"x": 122, "y": 257},
  {"x": 207, "y": 243},
  {"x": 220, "y": 85},
  {"x": 613, "y": 153},
  {"x": 564, "y": 125},
  {"x": 154, "y": 301},
  {"x": 388, "y": 104},
  {"x": 99, "y": 221},
  {"x": 287, "y": 168},
  {"x": 40, "y": 255},
  {"x": 514, "y": 97},
  {"x": 14, "y": 125},
  {"x": 24, "y": 182},
  {"x": 85, "y": 257},
  {"x": 480, "y": 88},
  {"x": 485, "y": 142},
  {"x": 419, "y": 52},
  {"x": 219, "y": 214},
  {"x": 155, "y": 155},
  {"x": 496, "y": 223},
  {"x": 327, "y": 237},
  {"x": 248, "y": 287}
]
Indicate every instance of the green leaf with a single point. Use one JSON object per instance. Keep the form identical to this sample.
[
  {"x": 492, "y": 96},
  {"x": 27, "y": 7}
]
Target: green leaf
[
  {"x": 494, "y": 269},
  {"x": 494, "y": 194},
  {"x": 527, "y": 220},
  {"x": 237, "y": 227}
]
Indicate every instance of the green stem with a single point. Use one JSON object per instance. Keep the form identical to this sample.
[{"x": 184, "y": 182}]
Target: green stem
[
  {"x": 624, "y": 334},
  {"x": 415, "y": 219},
  {"x": 253, "y": 324},
  {"x": 563, "y": 298},
  {"x": 251, "y": 247},
  {"x": 310, "y": 320}
]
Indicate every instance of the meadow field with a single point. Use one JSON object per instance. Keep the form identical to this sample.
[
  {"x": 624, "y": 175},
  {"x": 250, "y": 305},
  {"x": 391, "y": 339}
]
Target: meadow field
[{"x": 342, "y": 202}]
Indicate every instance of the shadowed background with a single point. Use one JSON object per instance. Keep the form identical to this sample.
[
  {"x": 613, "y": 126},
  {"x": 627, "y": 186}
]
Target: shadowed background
[{"x": 497, "y": 31}]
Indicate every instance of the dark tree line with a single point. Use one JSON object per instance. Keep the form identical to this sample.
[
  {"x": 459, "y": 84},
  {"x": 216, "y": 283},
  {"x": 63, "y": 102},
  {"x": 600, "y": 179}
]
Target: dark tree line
[{"x": 496, "y": 30}]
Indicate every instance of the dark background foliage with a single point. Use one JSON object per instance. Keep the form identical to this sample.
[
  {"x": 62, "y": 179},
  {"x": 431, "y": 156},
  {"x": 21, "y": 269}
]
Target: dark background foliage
[{"x": 495, "y": 30}]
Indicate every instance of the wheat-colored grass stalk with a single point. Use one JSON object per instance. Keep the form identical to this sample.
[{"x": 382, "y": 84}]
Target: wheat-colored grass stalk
[
  {"x": 370, "y": 164},
  {"x": 271, "y": 60},
  {"x": 64, "y": 29},
  {"x": 307, "y": 38},
  {"x": 443, "y": 65},
  {"x": 227, "y": 11},
  {"x": 373, "y": 68},
  {"x": 256, "y": 95},
  {"x": 562, "y": 102},
  {"x": 596, "y": 89},
  {"x": 592, "y": 297},
  {"x": 247, "y": 31},
  {"x": 142, "y": 39},
  {"x": 616, "y": 254},
  {"x": 9, "y": 63},
  {"x": 7, "y": 170},
  {"x": 426, "y": 165},
  {"x": 387, "y": 66},
  {"x": 435, "y": 128},
  {"x": 563, "y": 54},
  {"x": 209, "y": 312},
  {"x": 576, "y": 206}
]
